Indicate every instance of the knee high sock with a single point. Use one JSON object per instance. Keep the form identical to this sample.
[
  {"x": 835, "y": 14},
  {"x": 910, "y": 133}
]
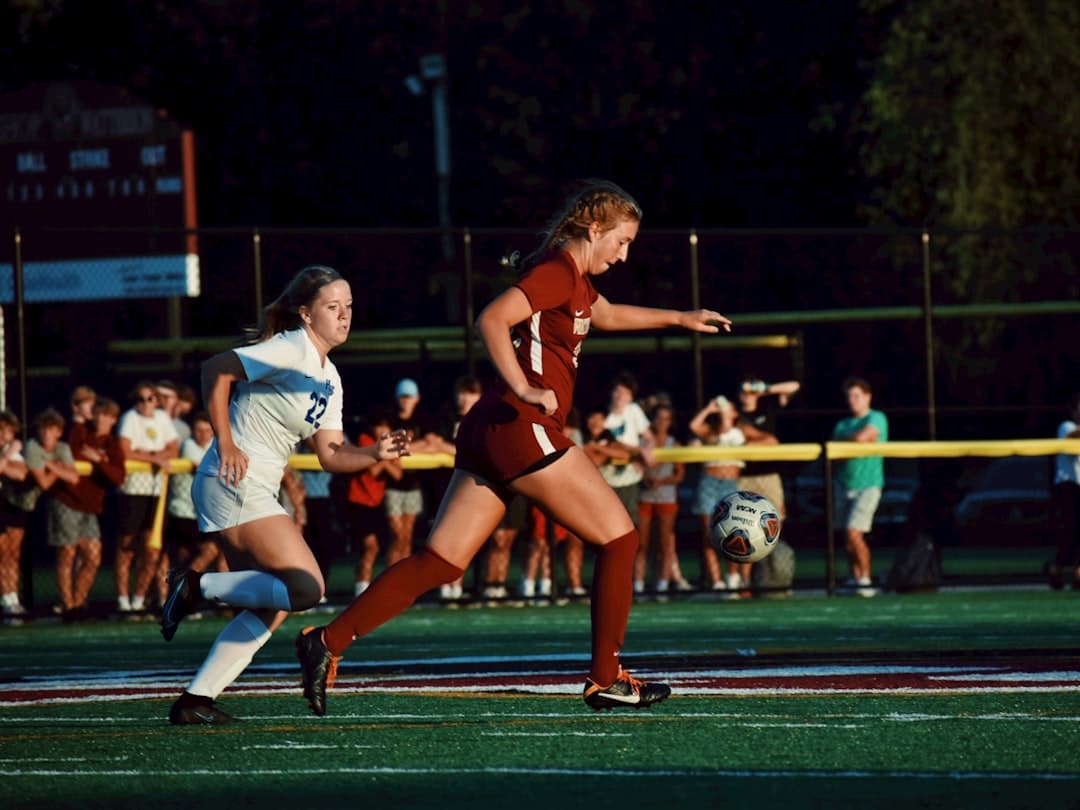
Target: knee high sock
[
  {"x": 246, "y": 589},
  {"x": 394, "y": 590},
  {"x": 612, "y": 595},
  {"x": 230, "y": 654}
]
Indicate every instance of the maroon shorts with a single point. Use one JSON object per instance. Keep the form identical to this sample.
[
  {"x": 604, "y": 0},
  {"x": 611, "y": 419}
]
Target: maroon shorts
[{"x": 495, "y": 443}]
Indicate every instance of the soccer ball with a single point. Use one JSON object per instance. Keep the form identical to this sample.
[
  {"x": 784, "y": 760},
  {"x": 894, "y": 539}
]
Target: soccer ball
[{"x": 744, "y": 526}]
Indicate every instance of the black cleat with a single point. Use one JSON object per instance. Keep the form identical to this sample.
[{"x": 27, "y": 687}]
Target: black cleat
[
  {"x": 318, "y": 667},
  {"x": 182, "y": 600},
  {"x": 625, "y": 692},
  {"x": 191, "y": 710}
]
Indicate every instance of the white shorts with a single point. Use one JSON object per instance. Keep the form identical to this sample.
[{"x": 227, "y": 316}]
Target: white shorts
[
  {"x": 219, "y": 505},
  {"x": 855, "y": 508}
]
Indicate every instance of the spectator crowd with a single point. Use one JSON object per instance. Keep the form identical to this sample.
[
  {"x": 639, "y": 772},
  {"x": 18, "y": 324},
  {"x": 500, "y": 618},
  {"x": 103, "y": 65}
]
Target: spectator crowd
[{"x": 144, "y": 516}]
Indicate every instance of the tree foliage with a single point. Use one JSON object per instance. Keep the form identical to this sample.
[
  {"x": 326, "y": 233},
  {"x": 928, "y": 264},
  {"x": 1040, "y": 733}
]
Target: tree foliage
[
  {"x": 971, "y": 127},
  {"x": 972, "y": 116}
]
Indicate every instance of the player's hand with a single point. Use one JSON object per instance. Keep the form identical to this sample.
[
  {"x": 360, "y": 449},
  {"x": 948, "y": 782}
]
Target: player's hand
[
  {"x": 704, "y": 320},
  {"x": 392, "y": 445},
  {"x": 542, "y": 398},
  {"x": 234, "y": 464}
]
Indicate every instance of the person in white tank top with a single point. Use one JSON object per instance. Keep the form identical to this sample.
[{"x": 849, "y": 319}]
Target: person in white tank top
[{"x": 715, "y": 424}]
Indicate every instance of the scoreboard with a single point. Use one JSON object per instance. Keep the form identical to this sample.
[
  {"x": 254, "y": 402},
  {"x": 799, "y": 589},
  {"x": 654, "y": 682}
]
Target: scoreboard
[{"x": 101, "y": 187}]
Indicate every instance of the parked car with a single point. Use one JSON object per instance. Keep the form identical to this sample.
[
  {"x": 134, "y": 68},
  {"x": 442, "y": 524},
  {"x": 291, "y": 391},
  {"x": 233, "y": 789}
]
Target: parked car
[
  {"x": 1007, "y": 503},
  {"x": 805, "y": 494}
]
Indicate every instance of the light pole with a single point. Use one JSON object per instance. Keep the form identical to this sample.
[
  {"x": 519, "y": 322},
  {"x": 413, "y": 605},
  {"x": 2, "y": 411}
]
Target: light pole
[{"x": 433, "y": 71}]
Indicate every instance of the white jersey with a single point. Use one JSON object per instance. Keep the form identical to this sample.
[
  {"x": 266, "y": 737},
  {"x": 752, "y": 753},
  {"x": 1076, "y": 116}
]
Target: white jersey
[
  {"x": 180, "y": 504},
  {"x": 288, "y": 396},
  {"x": 150, "y": 433},
  {"x": 1066, "y": 465},
  {"x": 628, "y": 428}
]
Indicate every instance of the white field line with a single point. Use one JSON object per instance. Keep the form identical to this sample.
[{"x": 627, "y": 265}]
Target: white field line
[{"x": 949, "y": 776}]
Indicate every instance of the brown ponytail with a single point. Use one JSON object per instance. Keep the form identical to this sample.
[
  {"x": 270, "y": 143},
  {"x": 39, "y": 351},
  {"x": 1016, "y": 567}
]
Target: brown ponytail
[
  {"x": 283, "y": 313},
  {"x": 593, "y": 201}
]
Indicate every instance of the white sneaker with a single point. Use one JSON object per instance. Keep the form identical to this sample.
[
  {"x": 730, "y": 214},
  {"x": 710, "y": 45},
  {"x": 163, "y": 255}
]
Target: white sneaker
[
  {"x": 865, "y": 587},
  {"x": 719, "y": 585},
  {"x": 15, "y": 609},
  {"x": 661, "y": 586},
  {"x": 576, "y": 591},
  {"x": 683, "y": 585}
]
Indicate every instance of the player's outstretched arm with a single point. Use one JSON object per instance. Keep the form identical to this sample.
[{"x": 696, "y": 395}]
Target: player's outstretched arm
[{"x": 627, "y": 317}]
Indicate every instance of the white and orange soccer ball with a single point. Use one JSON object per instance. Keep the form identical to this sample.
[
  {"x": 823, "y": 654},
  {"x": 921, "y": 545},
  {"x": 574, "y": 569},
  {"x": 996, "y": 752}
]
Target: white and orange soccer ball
[{"x": 744, "y": 526}]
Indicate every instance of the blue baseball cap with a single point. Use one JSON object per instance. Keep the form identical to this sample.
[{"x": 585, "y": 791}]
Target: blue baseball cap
[{"x": 407, "y": 388}]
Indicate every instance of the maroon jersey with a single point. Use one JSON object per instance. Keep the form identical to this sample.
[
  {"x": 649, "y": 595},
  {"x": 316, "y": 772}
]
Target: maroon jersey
[
  {"x": 89, "y": 494},
  {"x": 548, "y": 343}
]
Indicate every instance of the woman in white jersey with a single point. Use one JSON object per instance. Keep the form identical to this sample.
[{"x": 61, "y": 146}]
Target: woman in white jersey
[
  {"x": 286, "y": 390},
  {"x": 715, "y": 424}
]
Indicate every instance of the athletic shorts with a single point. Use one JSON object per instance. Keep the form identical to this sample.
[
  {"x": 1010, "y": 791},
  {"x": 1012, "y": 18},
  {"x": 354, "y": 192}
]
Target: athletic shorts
[
  {"x": 855, "y": 508},
  {"x": 648, "y": 509},
  {"x": 66, "y": 526},
  {"x": 403, "y": 502},
  {"x": 771, "y": 486},
  {"x": 364, "y": 520},
  {"x": 220, "y": 505},
  {"x": 182, "y": 532},
  {"x": 540, "y": 525},
  {"x": 517, "y": 515},
  {"x": 630, "y": 495},
  {"x": 494, "y": 443},
  {"x": 12, "y": 517},
  {"x": 709, "y": 492},
  {"x": 135, "y": 513}
]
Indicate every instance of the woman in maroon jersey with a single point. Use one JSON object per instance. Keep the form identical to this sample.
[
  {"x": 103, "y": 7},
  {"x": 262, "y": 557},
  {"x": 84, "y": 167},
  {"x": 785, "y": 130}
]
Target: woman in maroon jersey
[{"x": 512, "y": 441}]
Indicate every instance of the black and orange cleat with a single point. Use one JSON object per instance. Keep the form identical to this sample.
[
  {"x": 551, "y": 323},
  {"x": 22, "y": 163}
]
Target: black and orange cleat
[
  {"x": 625, "y": 692},
  {"x": 318, "y": 667},
  {"x": 183, "y": 597},
  {"x": 195, "y": 710}
]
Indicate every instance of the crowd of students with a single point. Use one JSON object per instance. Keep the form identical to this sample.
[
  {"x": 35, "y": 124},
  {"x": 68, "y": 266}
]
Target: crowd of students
[{"x": 372, "y": 518}]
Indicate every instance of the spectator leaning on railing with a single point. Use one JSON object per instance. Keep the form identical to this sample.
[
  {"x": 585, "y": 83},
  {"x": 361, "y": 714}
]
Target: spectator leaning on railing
[
  {"x": 859, "y": 483},
  {"x": 1065, "y": 501}
]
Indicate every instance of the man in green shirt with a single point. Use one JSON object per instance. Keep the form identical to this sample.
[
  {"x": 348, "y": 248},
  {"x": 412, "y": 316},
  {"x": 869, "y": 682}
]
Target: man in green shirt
[{"x": 859, "y": 482}]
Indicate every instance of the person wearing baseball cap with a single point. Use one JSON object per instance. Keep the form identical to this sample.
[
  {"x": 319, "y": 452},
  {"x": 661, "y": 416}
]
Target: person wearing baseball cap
[
  {"x": 407, "y": 387},
  {"x": 404, "y": 498}
]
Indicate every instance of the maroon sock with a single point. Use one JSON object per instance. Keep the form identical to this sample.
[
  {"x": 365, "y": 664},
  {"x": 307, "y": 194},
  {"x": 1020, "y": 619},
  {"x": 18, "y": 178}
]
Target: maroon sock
[
  {"x": 612, "y": 595},
  {"x": 394, "y": 590}
]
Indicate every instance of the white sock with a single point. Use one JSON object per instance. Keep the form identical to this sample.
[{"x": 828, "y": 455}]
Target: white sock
[
  {"x": 246, "y": 589},
  {"x": 230, "y": 654},
  {"x": 123, "y": 603},
  {"x": 360, "y": 587},
  {"x": 138, "y": 603},
  {"x": 9, "y": 599}
]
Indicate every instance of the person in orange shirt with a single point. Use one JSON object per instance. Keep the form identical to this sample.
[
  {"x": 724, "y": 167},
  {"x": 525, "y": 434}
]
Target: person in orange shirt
[{"x": 365, "y": 515}]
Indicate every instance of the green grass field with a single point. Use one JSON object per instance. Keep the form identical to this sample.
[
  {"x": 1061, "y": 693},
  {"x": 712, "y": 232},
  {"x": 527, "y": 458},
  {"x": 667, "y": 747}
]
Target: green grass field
[
  {"x": 966, "y": 698},
  {"x": 961, "y": 565}
]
